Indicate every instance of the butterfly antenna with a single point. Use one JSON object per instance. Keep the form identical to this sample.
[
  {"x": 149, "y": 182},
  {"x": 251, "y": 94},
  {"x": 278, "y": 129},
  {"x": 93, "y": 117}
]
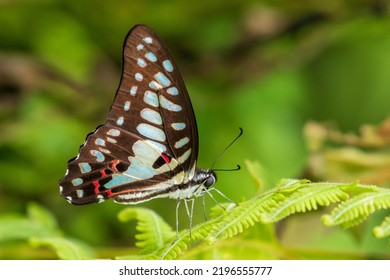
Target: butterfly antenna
[
  {"x": 224, "y": 150},
  {"x": 232, "y": 169}
]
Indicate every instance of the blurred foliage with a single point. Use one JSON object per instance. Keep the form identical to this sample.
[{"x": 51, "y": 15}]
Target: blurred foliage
[
  {"x": 267, "y": 66},
  {"x": 156, "y": 239}
]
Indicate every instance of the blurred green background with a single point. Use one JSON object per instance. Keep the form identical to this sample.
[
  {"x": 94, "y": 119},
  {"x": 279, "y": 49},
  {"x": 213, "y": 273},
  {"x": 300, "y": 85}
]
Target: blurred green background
[{"x": 266, "y": 66}]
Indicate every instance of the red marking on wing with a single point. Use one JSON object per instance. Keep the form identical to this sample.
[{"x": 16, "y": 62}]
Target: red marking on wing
[
  {"x": 114, "y": 163},
  {"x": 166, "y": 158},
  {"x": 103, "y": 173},
  {"x": 97, "y": 185},
  {"x": 109, "y": 193}
]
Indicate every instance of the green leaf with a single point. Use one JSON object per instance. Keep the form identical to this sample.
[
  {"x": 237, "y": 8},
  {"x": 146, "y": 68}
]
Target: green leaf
[
  {"x": 258, "y": 174},
  {"x": 240, "y": 217},
  {"x": 154, "y": 232},
  {"x": 357, "y": 209},
  {"x": 42, "y": 216},
  {"x": 306, "y": 197},
  {"x": 221, "y": 209},
  {"x": 186, "y": 237},
  {"x": 172, "y": 249},
  {"x": 66, "y": 249},
  {"x": 39, "y": 228},
  {"x": 384, "y": 229},
  {"x": 16, "y": 228},
  {"x": 288, "y": 197},
  {"x": 39, "y": 223}
]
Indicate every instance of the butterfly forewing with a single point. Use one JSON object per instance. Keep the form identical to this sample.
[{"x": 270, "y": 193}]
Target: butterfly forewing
[{"x": 149, "y": 143}]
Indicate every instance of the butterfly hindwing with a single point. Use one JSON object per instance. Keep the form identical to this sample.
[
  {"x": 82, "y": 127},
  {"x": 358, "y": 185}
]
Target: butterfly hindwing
[{"x": 149, "y": 143}]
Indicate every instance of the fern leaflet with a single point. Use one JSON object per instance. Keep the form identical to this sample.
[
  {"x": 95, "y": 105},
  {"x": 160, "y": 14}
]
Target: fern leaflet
[
  {"x": 384, "y": 229},
  {"x": 154, "y": 232},
  {"x": 306, "y": 197},
  {"x": 358, "y": 208}
]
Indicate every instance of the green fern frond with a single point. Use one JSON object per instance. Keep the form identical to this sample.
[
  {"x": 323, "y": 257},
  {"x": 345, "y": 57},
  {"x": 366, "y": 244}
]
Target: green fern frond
[
  {"x": 185, "y": 238},
  {"x": 358, "y": 208},
  {"x": 169, "y": 251},
  {"x": 172, "y": 250},
  {"x": 247, "y": 213},
  {"x": 306, "y": 197},
  {"x": 154, "y": 232},
  {"x": 221, "y": 209},
  {"x": 240, "y": 217},
  {"x": 384, "y": 229},
  {"x": 156, "y": 235},
  {"x": 288, "y": 197}
]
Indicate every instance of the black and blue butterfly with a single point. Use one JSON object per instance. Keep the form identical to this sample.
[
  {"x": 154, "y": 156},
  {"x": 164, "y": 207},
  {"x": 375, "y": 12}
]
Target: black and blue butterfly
[{"x": 148, "y": 147}]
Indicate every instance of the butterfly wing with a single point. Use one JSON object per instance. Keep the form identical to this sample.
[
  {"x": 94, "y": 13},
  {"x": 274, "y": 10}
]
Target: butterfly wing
[{"x": 148, "y": 147}]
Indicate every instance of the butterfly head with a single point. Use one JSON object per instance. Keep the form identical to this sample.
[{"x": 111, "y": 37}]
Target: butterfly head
[{"x": 204, "y": 179}]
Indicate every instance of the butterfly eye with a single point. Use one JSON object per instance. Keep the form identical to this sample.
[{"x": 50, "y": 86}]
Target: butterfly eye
[{"x": 211, "y": 180}]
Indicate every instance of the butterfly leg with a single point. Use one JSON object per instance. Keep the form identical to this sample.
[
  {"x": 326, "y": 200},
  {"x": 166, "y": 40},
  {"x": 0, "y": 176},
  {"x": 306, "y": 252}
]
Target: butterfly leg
[
  {"x": 225, "y": 197},
  {"x": 220, "y": 193},
  {"x": 177, "y": 217},
  {"x": 204, "y": 208},
  {"x": 190, "y": 212}
]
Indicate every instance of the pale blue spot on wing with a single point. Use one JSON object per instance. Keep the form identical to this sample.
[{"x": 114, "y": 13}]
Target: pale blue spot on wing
[
  {"x": 151, "y": 57},
  {"x": 182, "y": 142},
  {"x": 141, "y": 62},
  {"x": 99, "y": 156},
  {"x": 184, "y": 156},
  {"x": 139, "y": 170},
  {"x": 148, "y": 40},
  {"x": 117, "y": 180},
  {"x": 144, "y": 153},
  {"x": 169, "y": 105},
  {"x": 77, "y": 181},
  {"x": 80, "y": 193},
  {"x": 160, "y": 147},
  {"x": 154, "y": 85},
  {"x": 100, "y": 142},
  {"x": 114, "y": 132},
  {"x": 104, "y": 150},
  {"x": 162, "y": 79},
  {"x": 178, "y": 126},
  {"x": 168, "y": 65},
  {"x": 133, "y": 90},
  {"x": 119, "y": 121},
  {"x": 151, "y": 116},
  {"x": 139, "y": 77},
  {"x": 85, "y": 167},
  {"x": 173, "y": 91},
  {"x": 111, "y": 140},
  {"x": 151, "y": 132},
  {"x": 126, "y": 107},
  {"x": 151, "y": 98},
  {"x": 140, "y": 47}
]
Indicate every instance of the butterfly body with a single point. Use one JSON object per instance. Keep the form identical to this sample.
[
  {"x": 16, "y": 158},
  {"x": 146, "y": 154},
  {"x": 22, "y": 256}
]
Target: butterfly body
[{"x": 148, "y": 146}]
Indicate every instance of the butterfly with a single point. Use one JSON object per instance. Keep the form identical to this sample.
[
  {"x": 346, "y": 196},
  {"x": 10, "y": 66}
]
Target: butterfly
[{"x": 148, "y": 147}]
